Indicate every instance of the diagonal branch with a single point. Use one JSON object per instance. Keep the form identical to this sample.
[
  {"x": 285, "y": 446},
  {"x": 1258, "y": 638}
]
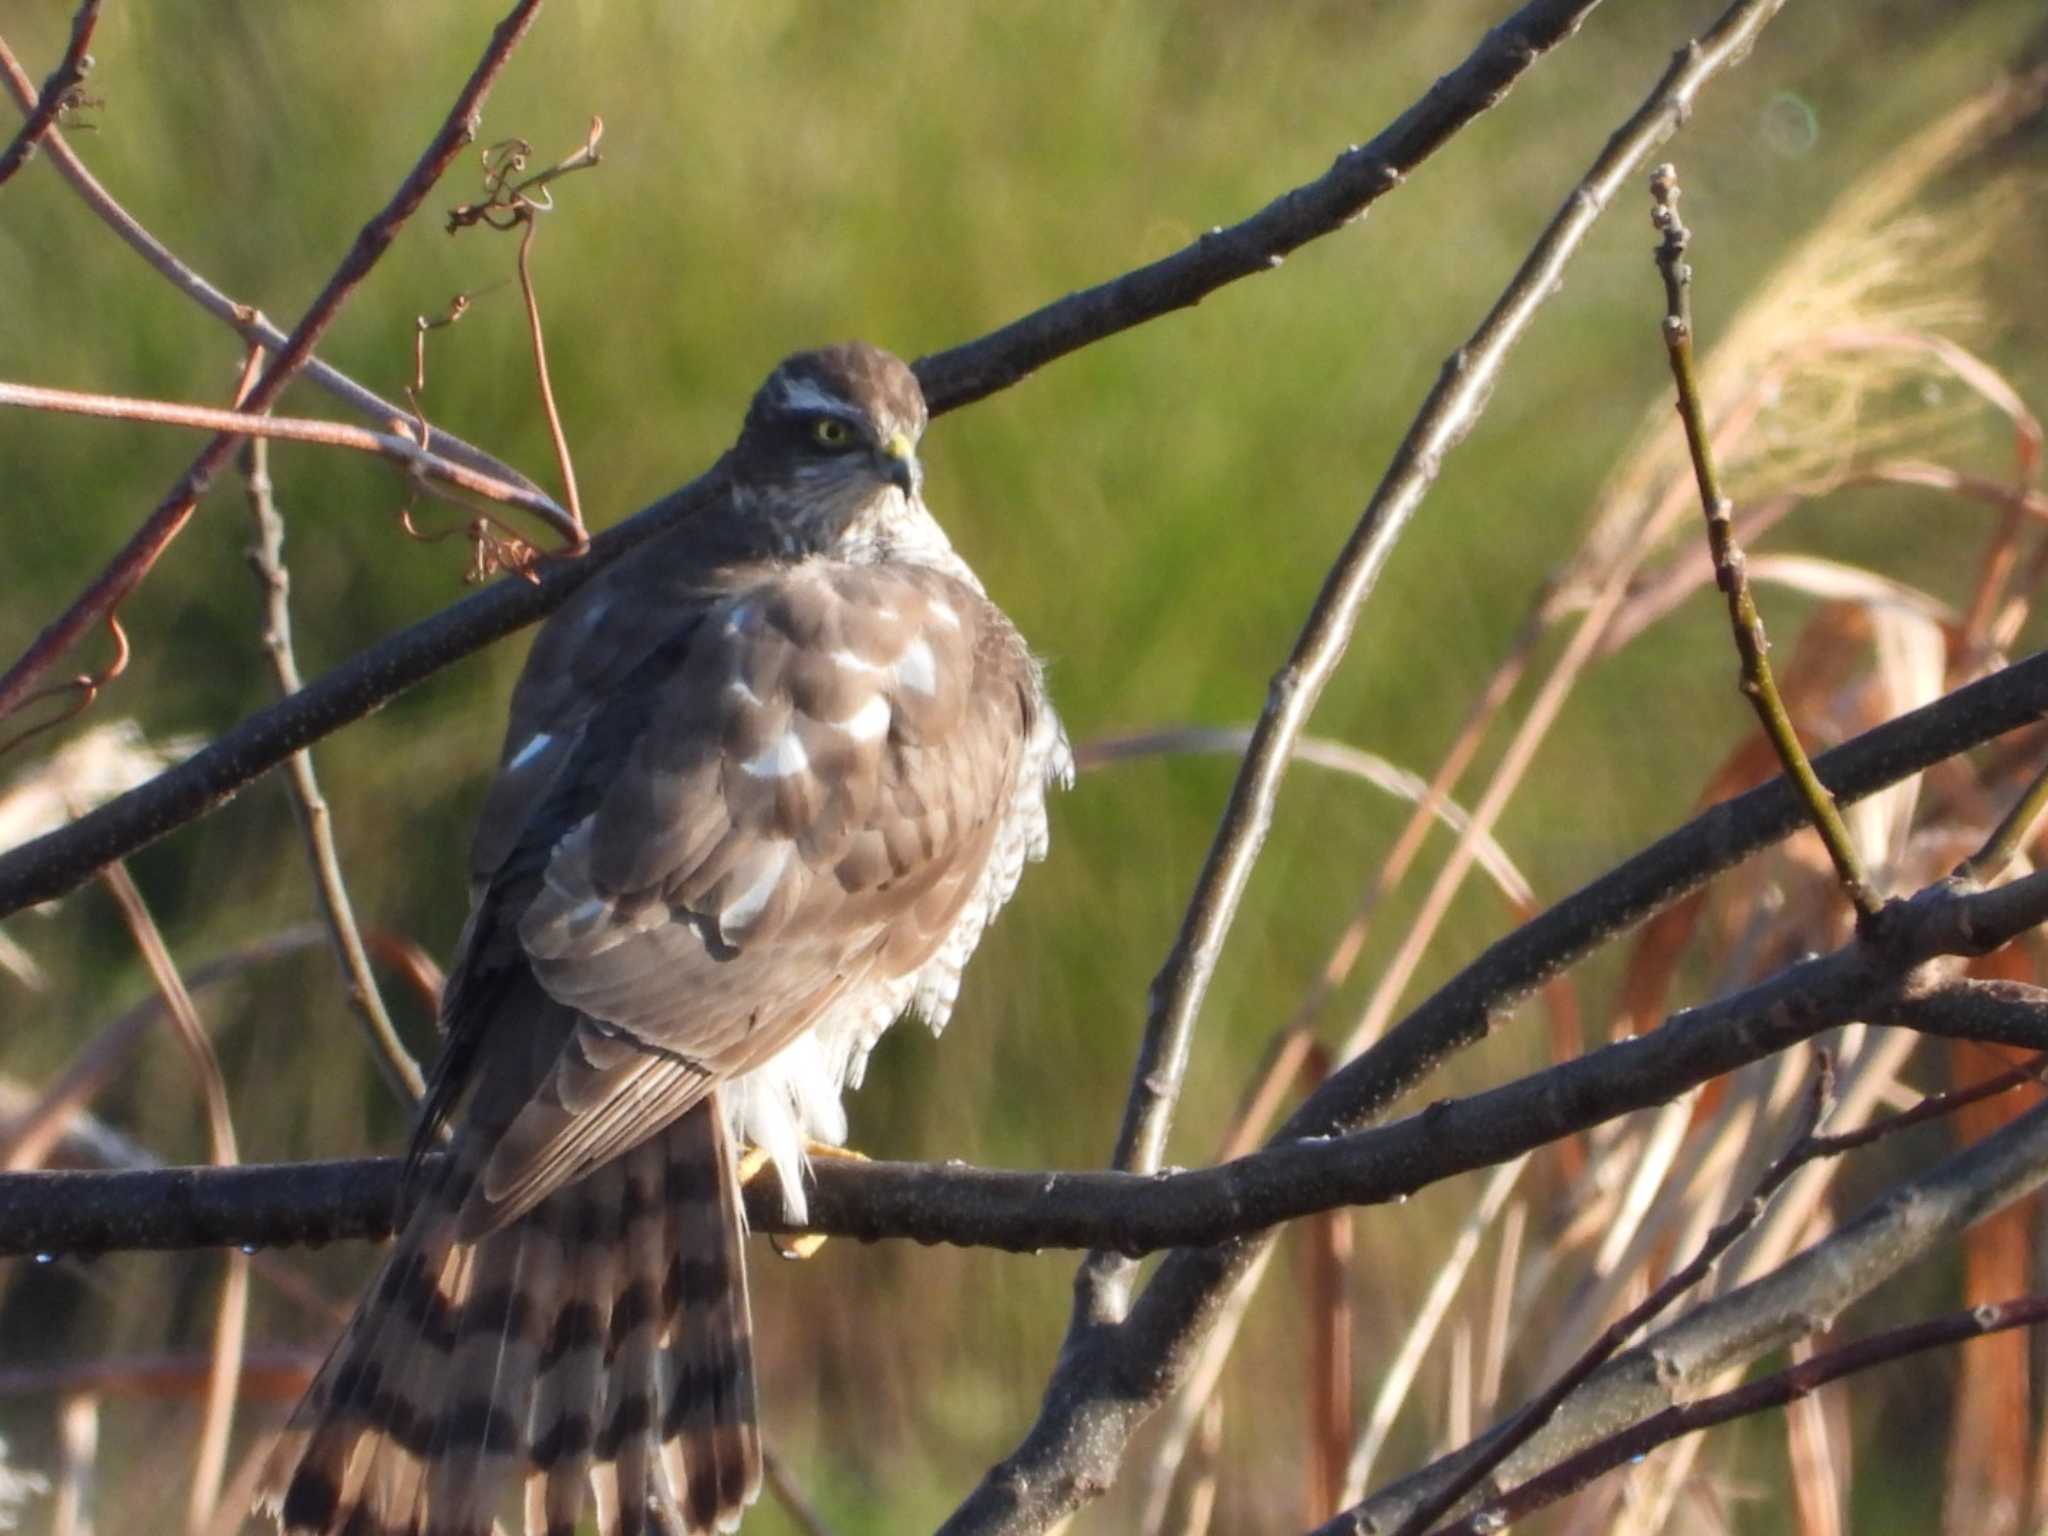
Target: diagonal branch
[
  {"x": 309, "y": 807},
  {"x": 64, "y": 79},
  {"x": 1361, "y": 176}
]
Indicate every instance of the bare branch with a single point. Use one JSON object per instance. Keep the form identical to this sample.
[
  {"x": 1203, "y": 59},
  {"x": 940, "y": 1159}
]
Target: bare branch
[
  {"x": 309, "y": 806},
  {"x": 1773, "y": 1391},
  {"x": 1801, "y": 1297},
  {"x": 56, "y": 92},
  {"x": 1874, "y": 975},
  {"x": 1361, "y": 176}
]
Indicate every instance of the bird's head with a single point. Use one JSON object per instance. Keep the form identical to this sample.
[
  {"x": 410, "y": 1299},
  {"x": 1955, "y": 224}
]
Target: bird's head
[{"x": 828, "y": 455}]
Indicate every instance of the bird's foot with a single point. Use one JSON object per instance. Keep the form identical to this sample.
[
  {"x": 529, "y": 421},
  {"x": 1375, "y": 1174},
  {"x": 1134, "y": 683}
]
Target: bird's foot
[{"x": 754, "y": 1162}]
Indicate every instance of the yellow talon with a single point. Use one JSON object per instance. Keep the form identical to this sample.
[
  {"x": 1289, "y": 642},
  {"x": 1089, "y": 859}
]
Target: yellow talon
[{"x": 754, "y": 1161}]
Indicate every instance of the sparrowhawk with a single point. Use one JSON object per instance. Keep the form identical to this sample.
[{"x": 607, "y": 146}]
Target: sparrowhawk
[{"x": 766, "y": 779}]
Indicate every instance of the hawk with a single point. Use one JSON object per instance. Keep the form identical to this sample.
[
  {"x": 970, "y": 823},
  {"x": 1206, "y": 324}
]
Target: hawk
[{"x": 765, "y": 781}]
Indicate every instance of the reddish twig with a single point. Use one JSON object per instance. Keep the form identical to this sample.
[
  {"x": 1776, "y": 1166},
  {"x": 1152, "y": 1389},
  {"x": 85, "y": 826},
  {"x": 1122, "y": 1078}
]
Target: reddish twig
[
  {"x": 86, "y": 686},
  {"x": 429, "y": 469},
  {"x": 510, "y": 204}
]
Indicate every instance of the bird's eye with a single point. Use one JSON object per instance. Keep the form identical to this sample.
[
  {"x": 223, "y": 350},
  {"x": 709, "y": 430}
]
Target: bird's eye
[{"x": 831, "y": 432}]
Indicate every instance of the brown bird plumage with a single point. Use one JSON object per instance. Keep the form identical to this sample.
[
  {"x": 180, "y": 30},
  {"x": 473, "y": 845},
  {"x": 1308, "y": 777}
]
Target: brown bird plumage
[{"x": 764, "y": 783}]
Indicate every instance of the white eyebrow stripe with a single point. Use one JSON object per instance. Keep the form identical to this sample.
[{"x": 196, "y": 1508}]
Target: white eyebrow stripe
[
  {"x": 781, "y": 757},
  {"x": 803, "y": 395},
  {"x": 536, "y": 744},
  {"x": 917, "y": 669},
  {"x": 868, "y": 723}
]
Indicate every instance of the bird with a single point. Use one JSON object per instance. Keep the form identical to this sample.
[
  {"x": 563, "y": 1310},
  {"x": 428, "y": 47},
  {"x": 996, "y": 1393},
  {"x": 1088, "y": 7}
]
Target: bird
[{"x": 764, "y": 782}]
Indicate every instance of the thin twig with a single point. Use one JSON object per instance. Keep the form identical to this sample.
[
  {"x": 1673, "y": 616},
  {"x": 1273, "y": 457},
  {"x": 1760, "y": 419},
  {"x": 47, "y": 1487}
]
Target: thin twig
[
  {"x": 1759, "y": 685},
  {"x": 246, "y": 321},
  {"x": 309, "y": 806},
  {"x": 1773, "y": 1391},
  {"x": 458, "y": 481},
  {"x": 801, "y": 1512},
  {"x": 550, "y": 412},
  {"x": 209, "y": 1462},
  {"x": 147, "y": 543},
  {"x": 2010, "y": 837},
  {"x": 1532, "y": 1415},
  {"x": 57, "y": 91}
]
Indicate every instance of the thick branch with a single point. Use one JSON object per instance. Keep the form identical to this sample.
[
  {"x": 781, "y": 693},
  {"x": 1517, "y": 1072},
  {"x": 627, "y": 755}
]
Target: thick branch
[{"x": 1879, "y": 975}]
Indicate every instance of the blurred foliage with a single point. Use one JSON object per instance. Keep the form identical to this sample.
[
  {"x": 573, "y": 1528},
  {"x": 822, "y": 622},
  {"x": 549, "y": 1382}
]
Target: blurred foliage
[{"x": 1156, "y": 513}]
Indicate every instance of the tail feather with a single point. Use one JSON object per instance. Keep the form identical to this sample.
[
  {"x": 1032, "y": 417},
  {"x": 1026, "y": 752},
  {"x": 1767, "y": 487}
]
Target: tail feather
[
  {"x": 599, "y": 1341},
  {"x": 709, "y": 1425}
]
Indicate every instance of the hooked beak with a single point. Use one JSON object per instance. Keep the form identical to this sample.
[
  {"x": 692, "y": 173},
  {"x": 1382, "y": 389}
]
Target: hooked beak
[{"x": 897, "y": 463}]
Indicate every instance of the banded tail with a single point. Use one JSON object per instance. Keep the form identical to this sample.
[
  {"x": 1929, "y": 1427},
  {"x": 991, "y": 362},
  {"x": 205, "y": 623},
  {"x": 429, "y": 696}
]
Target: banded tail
[{"x": 598, "y": 1342}]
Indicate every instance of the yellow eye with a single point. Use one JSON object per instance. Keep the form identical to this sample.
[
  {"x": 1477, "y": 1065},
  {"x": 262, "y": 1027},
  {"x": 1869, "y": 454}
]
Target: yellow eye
[{"x": 832, "y": 432}]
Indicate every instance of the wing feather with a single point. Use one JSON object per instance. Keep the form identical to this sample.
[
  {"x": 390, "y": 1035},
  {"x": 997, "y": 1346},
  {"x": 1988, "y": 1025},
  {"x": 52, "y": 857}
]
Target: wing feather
[{"x": 786, "y": 798}]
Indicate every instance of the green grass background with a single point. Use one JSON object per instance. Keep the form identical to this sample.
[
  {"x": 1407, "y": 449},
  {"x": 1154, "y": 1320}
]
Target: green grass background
[{"x": 1156, "y": 512}]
